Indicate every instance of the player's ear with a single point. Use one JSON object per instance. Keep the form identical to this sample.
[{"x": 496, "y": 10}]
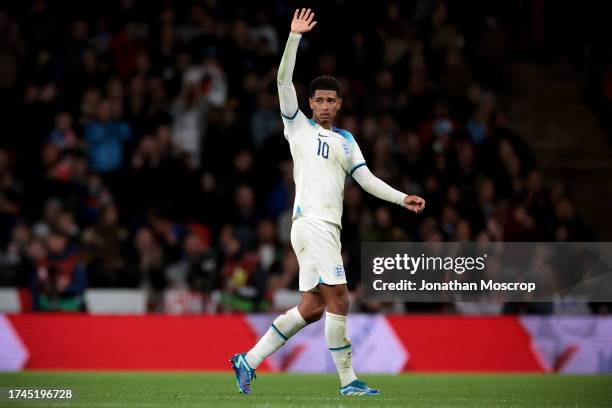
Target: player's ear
[
  {"x": 311, "y": 103},
  {"x": 339, "y": 103}
]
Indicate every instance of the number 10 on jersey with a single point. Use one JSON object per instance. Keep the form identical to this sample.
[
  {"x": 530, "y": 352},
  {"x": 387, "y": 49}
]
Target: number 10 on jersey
[{"x": 323, "y": 149}]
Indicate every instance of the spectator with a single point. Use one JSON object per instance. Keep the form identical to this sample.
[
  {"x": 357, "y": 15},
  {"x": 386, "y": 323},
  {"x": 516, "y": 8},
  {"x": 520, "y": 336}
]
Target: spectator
[
  {"x": 59, "y": 277},
  {"x": 105, "y": 138},
  {"x": 197, "y": 266},
  {"x": 146, "y": 261},
  {"x": 63, "y": 135},
  {"x": 103, "y": 245}
]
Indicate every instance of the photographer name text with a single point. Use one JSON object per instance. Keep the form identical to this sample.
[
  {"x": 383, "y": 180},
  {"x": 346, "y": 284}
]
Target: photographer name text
[{"x": 453, "y": 285}]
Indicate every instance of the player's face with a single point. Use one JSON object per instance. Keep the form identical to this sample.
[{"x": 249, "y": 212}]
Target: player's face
[{"x": 325, "y": 106}]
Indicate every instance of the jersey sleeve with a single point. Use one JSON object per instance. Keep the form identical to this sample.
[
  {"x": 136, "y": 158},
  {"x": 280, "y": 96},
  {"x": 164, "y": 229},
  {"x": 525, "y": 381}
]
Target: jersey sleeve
[
  {"x": 293, "y": 123},
  {"x": 293, "y": 118},
  {"x": 375, "y": 186},
  {"x": 356, "y": 159}
]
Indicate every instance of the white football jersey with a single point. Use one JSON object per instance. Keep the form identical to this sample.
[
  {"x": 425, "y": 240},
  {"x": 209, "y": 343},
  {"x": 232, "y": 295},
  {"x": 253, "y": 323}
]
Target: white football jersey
[{"x": 321, "y": 161}]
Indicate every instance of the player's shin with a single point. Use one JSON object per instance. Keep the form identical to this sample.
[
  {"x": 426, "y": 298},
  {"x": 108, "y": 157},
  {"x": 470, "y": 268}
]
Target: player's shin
[
  {"x": 340, "y": 347},
  {"x": 283, "y": 327}
]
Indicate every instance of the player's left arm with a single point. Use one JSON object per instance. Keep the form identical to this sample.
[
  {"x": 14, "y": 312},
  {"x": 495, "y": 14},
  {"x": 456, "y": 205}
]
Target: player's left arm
[{"x": 375, "y": 186}]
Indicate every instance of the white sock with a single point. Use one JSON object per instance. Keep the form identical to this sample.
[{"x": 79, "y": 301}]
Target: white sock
[
  {"x": 340, "y": 347},
  {"x": 283, "y": 327}
]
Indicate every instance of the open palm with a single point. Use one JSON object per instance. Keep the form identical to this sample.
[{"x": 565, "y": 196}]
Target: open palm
[{"x": 302, "y": 21}]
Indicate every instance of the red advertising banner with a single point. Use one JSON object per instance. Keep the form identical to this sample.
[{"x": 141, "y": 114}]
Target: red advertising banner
[
  {"x": 80, "y": 341},
  {"x": 455, "y": 343}
]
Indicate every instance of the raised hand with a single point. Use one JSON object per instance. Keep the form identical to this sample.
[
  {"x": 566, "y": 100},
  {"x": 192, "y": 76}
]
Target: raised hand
[
  {"x": 414, "y": 203},
  {"x": 302, "y": 21}
]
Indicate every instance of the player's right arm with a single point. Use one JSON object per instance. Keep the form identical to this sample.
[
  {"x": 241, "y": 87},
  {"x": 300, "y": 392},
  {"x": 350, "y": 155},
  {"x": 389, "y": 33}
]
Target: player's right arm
[{"x": 302, "y": 23}]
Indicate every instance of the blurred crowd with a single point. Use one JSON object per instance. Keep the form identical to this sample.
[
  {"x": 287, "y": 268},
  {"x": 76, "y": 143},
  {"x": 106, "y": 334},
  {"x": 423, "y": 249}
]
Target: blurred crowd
[{"x": 142, "y": 144}]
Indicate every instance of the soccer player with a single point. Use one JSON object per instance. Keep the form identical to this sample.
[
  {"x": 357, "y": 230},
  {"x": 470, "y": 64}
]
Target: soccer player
[{"x": 323, "y": 155}]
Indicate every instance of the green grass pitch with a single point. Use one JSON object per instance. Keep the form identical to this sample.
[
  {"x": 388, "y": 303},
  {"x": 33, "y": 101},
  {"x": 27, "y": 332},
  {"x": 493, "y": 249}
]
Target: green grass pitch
[{"x": 150, "y": 390}]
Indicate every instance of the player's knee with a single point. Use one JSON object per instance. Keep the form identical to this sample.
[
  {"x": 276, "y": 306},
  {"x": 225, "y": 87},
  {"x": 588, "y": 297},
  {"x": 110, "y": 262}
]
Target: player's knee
[
  {"x": 314, "y": 314},
  {"x": 340, "y": 304},
  {"x": 338, "y": 308},
  {"x": 311, "y": 313}
]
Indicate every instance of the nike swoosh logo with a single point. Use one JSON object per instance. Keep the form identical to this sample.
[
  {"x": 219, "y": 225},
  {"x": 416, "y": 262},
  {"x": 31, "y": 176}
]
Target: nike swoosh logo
[
  {"x": 242, "y": 362},
  {"x": 323, "y": 135}
]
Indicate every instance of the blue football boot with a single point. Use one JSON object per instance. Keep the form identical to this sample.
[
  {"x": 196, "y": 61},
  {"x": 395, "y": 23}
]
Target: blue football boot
[
  {"x": 358, "y": 387},
  {"x": 244, "y": 373}
]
